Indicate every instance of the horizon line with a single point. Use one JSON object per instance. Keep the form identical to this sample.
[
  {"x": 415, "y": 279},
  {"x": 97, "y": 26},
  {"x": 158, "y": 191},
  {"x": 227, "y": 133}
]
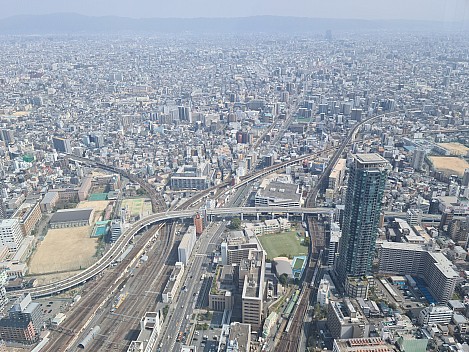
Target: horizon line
[{"x": 233, "y": 17}]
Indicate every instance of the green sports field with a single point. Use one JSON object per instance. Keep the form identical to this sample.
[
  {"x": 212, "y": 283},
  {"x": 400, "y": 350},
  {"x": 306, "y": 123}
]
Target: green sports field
[
  {"x": 286, "y": 243},
  {"x": 137, "y": 206}
]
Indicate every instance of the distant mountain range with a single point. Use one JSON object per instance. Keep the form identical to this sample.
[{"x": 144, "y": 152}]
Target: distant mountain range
[{"x": 70, "y": 23}]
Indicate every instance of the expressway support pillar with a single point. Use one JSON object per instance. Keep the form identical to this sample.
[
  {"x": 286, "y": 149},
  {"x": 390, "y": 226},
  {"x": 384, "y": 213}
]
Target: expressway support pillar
[
  {"x": 242, "y": 216},
  {"x": 288, "y": 215},
  {"x": 302, "y": 217},
  {"x": 273, "y": 216},
  {"x": 257, "y": 216}
]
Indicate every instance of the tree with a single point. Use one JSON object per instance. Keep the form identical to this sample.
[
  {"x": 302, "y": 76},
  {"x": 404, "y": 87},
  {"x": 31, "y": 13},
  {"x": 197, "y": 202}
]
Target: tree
[
  {"x": 283, "y": 279},
  {"x": 306, "y": 242},
  {"x": 165, "y": 311},
  {"x": 235, "y": 224}
]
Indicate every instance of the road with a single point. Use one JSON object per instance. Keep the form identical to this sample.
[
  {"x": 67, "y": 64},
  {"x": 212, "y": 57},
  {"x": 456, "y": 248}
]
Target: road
[
  {"x": 123, "y": 241},
  {"x": 185, "y": 303},
  {"x": 106, "y": 287},
  {"x": 290, "y": 340}
]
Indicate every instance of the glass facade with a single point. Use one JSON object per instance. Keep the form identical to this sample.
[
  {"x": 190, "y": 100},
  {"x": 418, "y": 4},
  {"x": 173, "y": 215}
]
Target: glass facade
[{"x": 365, "y": 190}]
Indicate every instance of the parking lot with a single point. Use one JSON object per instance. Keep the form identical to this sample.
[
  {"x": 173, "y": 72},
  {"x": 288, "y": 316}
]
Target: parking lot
[{"x": 52, "y": 306}]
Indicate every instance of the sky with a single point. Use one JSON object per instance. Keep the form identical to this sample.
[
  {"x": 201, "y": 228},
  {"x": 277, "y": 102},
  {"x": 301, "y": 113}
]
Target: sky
[{"x": 440, "y": 10}]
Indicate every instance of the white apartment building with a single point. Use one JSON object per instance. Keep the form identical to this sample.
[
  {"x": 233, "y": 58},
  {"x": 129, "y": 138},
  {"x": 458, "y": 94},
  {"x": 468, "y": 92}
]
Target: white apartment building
[
  {"x": 414, "y": 259},
  {"x": 11, "y": 234},
  {"x": 172, "y": 286},
  {"x": 323, "y": 293},
  {"x": 435, "y": 315},
  {"x": 186, "y": 245}
]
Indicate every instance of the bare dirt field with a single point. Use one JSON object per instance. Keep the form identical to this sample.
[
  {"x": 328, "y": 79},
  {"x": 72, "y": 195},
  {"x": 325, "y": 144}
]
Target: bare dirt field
[
  {"x": 449, "y": 165},
  {"x": 67, "y": 249},
  {"x": 64, "y": 249},
  {"x": 456, "y": 148},
  {"x": 97, "y": 205}
]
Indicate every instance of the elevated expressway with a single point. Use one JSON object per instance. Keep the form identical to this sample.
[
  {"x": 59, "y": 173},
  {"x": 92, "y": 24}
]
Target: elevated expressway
[
  {"x": 121, "y": 244},
  {"x": 125, "y": 238}
]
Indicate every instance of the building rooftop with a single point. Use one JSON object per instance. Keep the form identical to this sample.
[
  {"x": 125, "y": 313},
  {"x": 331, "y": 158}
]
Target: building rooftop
[
  {"x": 240, "y": 335},
  {"x": 371, "y": 158},
  {"x": 8, "y": 222},
  {"x": 67, "y": 215},
  {"x": 372, "y": 344},
  {"x": 444, "y": 264},
  {"x": 338, "y": 167},
  {"x": 186, "y": 239}
]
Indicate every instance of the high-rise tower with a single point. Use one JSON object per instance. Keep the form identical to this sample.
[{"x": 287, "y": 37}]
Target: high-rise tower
[{"x": 365, "y": 190}]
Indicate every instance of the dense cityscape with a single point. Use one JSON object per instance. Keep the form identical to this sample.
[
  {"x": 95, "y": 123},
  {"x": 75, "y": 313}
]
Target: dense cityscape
[{"x": 234, "y": 192}]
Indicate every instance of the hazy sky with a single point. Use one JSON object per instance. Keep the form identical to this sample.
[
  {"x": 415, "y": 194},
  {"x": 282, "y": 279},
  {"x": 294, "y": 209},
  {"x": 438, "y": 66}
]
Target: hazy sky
[{"x": 443, "y": 10}]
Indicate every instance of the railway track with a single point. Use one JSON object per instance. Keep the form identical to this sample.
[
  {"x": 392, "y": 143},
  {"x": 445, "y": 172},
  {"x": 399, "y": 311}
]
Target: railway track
[
  {"x": 291, "y": 336},
  {"x": 289, "y": 340},
  {"x": 142, "y": 298},
  {"x": 92, "y": 302},
  {"x": 105, "y": 287}
]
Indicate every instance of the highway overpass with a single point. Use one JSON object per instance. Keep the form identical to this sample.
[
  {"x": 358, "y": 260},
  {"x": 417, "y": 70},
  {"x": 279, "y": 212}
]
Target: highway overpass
[{"x": 120, "y": 245}]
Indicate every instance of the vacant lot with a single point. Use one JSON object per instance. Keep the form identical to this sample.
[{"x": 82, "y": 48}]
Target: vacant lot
[
  {"x": 97, "y": 205},
  {"x": 455, "y": 148},
  {"x": 449, "y": 165},
  {"x": 279, "y": 244},
  {"x": 64, "y": 250}
]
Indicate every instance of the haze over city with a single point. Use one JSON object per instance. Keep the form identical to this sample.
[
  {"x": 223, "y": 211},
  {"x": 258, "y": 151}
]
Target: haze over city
[
  {"x": 241, "y": 176},
  {"x": 435, "y": 10}
]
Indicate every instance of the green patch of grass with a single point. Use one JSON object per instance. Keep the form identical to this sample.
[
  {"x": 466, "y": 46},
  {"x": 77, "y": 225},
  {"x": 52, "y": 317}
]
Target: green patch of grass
[
  {"x": 298, "y": 264},
  {"x": 286, "y": 243}
]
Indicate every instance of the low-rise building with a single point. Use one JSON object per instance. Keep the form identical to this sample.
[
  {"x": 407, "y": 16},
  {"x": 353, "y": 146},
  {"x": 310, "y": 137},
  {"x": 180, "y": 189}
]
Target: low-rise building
[
  {"x": 435, "y": 315},
  {"x": 172, "y": 286},
  {"x": 150, "y": 327},
  {"x": 372, "y": 344},
  {"x": 221, "y": 295},
  {"x": 29, "y": 214},
  {"x": 191, "y": 177},
  {"x": 268, "y": 226},
  {"x": 240, "y": 338},
  {"x": 71, "y": 218},
  {"x": 323, "y": 293},
  {"x": 85, "y": 187},
  {"x": 337, "y": 174},
  {"x": 49, "y": 201},
  {"x": 409, "y": 343},
  {"x": 278, "y": 194},
  {"x": 14, "y": 269},
  {"x": 345, "y": 321},
  {"x": 117, "y": 228},
  {"x": 186, "y": 245}
]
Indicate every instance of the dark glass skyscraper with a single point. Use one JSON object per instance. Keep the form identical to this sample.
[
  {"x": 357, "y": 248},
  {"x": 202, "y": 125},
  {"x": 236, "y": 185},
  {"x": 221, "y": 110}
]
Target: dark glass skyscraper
[{"x": 365, "y": 190}]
